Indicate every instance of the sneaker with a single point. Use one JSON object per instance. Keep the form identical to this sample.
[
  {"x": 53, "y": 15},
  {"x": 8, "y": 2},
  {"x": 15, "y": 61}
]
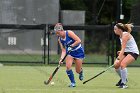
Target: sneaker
[
  {"x": 118, "y": 84},
  {"x": 123, "y": 86},
  {"x": 81, "y": 75},
  {"x": 72, "y": 85}
]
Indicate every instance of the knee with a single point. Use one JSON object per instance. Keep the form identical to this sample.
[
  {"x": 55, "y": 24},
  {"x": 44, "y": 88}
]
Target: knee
[
  {"x": 116, "y": 66},
  {"x": 68, "y": 67},
  {"x": 123, "y": 65}
]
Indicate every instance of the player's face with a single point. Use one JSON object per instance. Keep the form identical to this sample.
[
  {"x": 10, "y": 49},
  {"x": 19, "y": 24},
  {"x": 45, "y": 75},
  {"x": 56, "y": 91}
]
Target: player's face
[
  {"x": 59, "y": 33},
  {"x": 116, "y": 30}
]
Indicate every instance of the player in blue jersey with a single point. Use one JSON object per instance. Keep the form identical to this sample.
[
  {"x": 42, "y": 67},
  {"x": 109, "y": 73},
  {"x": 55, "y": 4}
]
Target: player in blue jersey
[{"x": 68, "y": 40}]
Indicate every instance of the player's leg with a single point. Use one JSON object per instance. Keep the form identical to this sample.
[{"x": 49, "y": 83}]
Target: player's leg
[
  {"x": 118, "y": 71},
  {"x": 117, "y": 65},
  {"x": 69, "y": 61},
  {"x": 125, "y": 62},
  {"x": 78, "y": 67}
]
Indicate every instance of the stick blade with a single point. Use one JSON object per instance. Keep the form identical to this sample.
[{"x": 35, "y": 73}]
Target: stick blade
[
  {"x": 46, "y": 82},
  {"x": 84, "y": 82}
]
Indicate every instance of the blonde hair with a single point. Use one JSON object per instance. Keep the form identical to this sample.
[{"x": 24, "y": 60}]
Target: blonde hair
[
  {"x": 125, "y": 27},
  {"x": 128, "y": 27},
  {"x": 58, "y": 27}
]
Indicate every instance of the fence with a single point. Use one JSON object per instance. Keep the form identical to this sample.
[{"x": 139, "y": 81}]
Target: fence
[
  {"x": 31, "y": 43},
  {"x": 22, "y": 43},
  {"x": 101, "y": 54}
]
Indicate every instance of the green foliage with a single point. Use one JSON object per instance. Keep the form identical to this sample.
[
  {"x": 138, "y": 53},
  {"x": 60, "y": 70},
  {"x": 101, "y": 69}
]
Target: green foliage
[
  {"x": 105, "y": 12},
  {"x": 72, "y": 5},
  {"x": 129, "y": 3},
  {"x": 98, "y": 12}
]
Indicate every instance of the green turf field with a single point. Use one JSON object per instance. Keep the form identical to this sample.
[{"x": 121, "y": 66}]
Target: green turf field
[
  {"x": 53, "y": 58},
  {"x": 21, "y": 57},
  {"x": 89, "y": 58},
  {"x": 29, "y": 79}
]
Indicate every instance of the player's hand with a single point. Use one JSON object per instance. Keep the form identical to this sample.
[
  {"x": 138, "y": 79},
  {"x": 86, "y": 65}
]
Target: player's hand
[
  {"x": 118, "y": 52},
  {"x": 60, "y": 61},
  {"x": 70, "y": 48},
  {"x": 117, "y": 63}
]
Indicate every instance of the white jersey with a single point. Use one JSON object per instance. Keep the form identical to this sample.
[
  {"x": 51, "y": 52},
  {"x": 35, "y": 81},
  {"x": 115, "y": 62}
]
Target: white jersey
[{"x": 131, "y": 45}]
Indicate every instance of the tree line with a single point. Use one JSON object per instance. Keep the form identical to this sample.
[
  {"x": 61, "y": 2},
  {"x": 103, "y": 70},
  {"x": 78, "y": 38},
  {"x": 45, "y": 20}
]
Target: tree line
[{"x": 100, "y": 12}]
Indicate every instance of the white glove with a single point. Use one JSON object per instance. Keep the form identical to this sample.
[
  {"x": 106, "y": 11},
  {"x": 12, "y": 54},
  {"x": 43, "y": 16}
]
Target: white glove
[{"x": 70, "y": 48}]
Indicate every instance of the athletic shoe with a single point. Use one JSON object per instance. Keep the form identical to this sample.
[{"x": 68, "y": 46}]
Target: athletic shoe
[
  {"x": 118, "y": 84},
  {"x": 81, "y": 75},
  {"x": 123, "y": 86},
  {"x": 72, "y": 85}
]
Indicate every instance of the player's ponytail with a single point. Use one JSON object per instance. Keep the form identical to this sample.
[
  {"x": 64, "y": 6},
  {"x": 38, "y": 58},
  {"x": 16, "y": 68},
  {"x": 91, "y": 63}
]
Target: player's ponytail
[
  {"x": 128, "y": 27},
  {"x": 125, "y": 27}
]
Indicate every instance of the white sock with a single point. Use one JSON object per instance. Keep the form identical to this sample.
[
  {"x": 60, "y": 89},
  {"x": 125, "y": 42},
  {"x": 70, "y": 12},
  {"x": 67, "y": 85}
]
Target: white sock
[
  {"x": 124, "y": 75},
  {"x": 118, "y": 71}
]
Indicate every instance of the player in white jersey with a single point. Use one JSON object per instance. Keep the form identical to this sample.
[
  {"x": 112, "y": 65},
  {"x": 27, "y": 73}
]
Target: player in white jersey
[{"x": 128, "y": 53}]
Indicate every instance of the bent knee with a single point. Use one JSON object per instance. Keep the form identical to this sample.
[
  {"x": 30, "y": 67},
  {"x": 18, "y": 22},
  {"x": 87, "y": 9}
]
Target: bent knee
[
  {"x": 123, "y": 65},
  {"x": 116, "y": 66}
]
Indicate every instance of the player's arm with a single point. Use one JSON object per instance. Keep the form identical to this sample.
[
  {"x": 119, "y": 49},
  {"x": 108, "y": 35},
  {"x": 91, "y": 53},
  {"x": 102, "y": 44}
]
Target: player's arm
[
  {"x": 62, "y": 49},
  {"x": 125, "y": 38},
  {"x": 75, "y": 37}
]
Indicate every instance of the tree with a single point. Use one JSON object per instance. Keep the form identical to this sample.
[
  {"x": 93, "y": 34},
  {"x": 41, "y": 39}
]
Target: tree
[{"x": 98, "y": 12}]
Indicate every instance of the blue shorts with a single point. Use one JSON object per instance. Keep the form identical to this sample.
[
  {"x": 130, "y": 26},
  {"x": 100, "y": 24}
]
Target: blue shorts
[{"x": 79, "y": 53}]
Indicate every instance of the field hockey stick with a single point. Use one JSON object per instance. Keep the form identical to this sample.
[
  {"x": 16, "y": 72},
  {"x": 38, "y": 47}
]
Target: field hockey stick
[
  {"x": 56, "y": 69},
  {"x": 98, "y": 74}
]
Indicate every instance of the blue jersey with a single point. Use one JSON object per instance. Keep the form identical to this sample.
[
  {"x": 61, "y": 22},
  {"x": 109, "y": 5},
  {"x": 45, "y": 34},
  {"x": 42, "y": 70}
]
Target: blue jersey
[{"x": 77, "y": 51}]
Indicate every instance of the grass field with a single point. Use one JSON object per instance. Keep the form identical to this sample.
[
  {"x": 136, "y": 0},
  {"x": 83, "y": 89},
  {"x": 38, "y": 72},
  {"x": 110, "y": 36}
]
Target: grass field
[
  {"x": 89, "y": 58},
  {"x": 29, "y": 79},
  {"x": 21, "y": 57},
  {"x": 53, "y": 58}
]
